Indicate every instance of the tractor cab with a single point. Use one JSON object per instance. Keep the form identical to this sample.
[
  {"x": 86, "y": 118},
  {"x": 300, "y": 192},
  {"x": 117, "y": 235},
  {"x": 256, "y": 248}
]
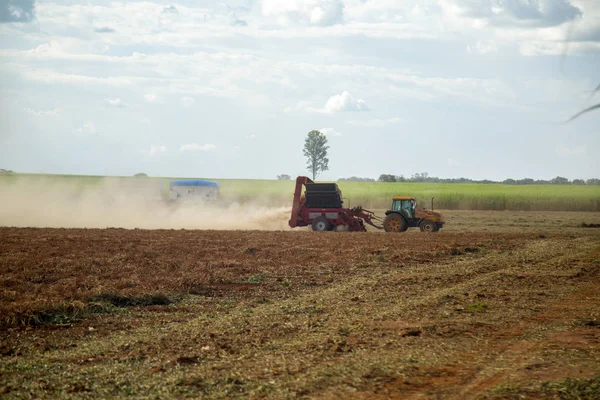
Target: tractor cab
[{"x": 405, "y": 205}]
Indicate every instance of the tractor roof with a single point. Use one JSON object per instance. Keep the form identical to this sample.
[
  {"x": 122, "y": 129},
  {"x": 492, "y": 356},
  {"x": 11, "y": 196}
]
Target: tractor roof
[{"x": 402, "y": 198}]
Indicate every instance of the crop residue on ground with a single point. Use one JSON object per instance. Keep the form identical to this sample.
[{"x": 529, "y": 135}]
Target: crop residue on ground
[{"x": 250, "y": 314}]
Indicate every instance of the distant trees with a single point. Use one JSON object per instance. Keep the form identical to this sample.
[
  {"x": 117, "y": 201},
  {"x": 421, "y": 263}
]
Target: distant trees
[
  {"x": 315, "y": 151},
  {"x": 387, "y": 178},
  {"x": 559, "y": 180},
  {"x": 420, "y": 177},
  {"x": 141, "y": 175},
  {"x": 424, "y": 177},
  {"x": 283, "y": 177},
  {"x": 356, "y": 179},
  {"x": 391, "y": 178}
]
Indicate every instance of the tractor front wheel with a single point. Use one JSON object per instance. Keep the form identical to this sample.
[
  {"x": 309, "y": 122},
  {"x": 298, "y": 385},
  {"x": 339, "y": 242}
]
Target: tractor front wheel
[
  {"x": 321, "y": 224},
  {"x": 395, "y": 223},
  {"x": 428, "y": 226}
]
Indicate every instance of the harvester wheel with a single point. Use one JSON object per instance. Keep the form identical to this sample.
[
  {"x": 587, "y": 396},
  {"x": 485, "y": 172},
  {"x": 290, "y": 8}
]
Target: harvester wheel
[
  {"x": 395, "y": 223},
  {"x": 321, "y": 224},
  {"x": 428, "y": 226}
]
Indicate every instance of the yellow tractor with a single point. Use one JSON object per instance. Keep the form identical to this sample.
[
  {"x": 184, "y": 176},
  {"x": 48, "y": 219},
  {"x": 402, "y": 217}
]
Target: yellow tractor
[{"x": 404, "y": 214}]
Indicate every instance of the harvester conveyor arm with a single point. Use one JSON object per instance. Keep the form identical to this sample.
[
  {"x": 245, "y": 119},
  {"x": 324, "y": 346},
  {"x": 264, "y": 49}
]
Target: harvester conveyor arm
[{"x": 368, "y": 216}]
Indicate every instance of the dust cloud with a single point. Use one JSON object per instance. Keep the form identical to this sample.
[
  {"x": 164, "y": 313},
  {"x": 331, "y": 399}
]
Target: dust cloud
[{"x": 126, "y": 204}]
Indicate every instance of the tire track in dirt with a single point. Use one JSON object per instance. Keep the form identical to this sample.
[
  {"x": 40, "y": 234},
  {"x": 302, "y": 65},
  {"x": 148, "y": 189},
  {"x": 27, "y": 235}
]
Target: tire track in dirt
[
  {"x": 518, "y": 353},
  {"x": 517, "y": 356},
  {"x": 504, "y": 353}
]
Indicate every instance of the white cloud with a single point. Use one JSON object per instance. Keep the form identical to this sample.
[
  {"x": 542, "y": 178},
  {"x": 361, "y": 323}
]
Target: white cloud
[
  {"x": 145, "y": 23},
  {"x": 556, "y": 48},
  {"x": 313, "y": 12},
  {"x": 151, "y": 98},
  {"x": 187, "y": 101},
  {"x": 482, "y": 47},
  {"x": 52, "y": 77},
  {"x": 376, "y": 123},
  {"x": 330, "y": 132},
  {"x": 197, "y": 147},
  {"x": 87, "y": 128},
  {"x": 301, "y": 106},
  {"x": 521, "y": 13},
  {"x": 43, "y": 113},
  {"x": 117, "y": 103},
  {"x": 251, "y": 136},
  {"x": 155, "y": 149},
  {"x": 104, "y": 29},
  {"x": 17, "y": 11},
  {"x": 564, "y": 151},
  {"x": 236, "y": 75},
  {"x": 170, "y": 9},
  {"x": 344, "y": 102}
]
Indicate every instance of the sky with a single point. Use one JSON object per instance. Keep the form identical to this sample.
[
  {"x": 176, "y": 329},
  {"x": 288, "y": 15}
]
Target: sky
[{"x": 455, "y": 88}]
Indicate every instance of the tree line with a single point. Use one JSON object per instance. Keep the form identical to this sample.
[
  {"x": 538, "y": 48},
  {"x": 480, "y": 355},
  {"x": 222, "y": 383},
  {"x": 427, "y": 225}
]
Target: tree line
[
  {"x": 424, "y": 177},
  {"x": 315, "y": 151}
]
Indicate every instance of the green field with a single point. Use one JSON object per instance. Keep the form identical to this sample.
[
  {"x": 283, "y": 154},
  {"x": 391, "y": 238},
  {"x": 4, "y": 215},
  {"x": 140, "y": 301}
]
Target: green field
[{"x": 370, "y": 195}]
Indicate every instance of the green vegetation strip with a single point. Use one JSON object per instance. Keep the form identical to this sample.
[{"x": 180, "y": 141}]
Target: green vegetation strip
[{"x": 376, "y": 195}]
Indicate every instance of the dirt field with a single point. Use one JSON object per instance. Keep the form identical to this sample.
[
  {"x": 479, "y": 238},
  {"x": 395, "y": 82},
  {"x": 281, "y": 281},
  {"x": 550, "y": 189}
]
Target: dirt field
[{"x": 499, "y": 305}]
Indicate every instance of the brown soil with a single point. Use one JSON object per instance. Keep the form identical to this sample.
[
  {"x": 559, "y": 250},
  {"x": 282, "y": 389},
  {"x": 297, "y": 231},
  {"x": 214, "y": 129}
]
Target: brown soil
[{"x": 217, "y": 314}]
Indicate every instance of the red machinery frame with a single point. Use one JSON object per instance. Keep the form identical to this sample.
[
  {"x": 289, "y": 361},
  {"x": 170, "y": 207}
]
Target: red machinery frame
[{"x": 353, "y": 218}]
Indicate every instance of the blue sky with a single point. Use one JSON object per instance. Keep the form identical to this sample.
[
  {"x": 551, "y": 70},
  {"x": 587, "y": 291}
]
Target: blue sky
[{"x": 478, "y": 89}]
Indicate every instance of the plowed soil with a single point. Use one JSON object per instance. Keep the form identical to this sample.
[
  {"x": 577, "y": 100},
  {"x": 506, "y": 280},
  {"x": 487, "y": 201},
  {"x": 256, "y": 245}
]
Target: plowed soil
[{"x": 250, "y": 314}]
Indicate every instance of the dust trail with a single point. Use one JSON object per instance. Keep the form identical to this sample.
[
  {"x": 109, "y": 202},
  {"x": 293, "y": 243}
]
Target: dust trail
[{"x": 126, "y": 204}]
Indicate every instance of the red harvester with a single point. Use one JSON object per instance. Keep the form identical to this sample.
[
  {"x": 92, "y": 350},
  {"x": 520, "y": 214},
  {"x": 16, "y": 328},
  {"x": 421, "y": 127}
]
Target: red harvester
[{"x": 321, "y": 207}]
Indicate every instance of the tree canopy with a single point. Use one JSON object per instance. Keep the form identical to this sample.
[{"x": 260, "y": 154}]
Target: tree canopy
[{"x": 315, "y": 151}]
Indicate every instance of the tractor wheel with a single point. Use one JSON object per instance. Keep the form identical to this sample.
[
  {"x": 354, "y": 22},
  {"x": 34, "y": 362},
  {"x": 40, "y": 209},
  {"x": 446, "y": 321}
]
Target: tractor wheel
[
  {"x": 395, "y": 223},
  {"x": 321, "y": 224},
  {"x": 428, "y": 226}
]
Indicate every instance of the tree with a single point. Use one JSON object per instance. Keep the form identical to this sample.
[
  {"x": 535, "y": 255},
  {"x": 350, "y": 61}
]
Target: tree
[
  {"x": 283, "y": 177},
  {"x": 387, "y": 178},
  {"x": 559, "y": 180},
  {"x": 356, "y": 179},
  {"x": 525, "y": 181},
  {"x": 315, "y": 151},
  {"x": 420, "y": 177}
]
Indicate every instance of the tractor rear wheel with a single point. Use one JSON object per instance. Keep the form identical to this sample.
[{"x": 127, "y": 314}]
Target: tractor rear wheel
[
  {"x": 395, "y": 223},
  {"x": 428, "y": 226},
  {"x": 321, "y": 224}
]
